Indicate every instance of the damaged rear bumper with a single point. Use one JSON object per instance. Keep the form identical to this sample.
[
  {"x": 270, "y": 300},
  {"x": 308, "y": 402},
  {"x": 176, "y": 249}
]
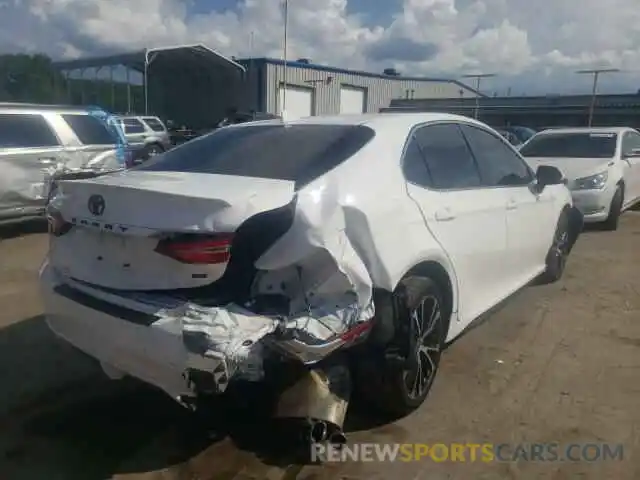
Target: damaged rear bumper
[{"x": 186, "y": 349}]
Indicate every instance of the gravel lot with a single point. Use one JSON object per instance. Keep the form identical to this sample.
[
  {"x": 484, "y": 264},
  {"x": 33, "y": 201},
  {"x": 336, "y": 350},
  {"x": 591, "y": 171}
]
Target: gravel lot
[{"x": 558, "y": 363}]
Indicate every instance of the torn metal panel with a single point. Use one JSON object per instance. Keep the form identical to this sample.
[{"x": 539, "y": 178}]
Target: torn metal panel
[{"x": 327, "y": 288}]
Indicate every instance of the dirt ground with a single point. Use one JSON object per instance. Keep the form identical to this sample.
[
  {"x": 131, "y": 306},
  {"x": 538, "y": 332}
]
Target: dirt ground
[{"x": 558, "y": 363}]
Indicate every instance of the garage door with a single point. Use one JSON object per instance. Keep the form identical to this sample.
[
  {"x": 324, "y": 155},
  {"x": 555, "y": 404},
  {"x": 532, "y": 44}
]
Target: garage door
[
  {"x": 352, "y": 100},
  {"x": 299, "y": 102}
]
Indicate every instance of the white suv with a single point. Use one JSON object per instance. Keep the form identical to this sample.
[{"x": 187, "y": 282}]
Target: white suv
[{"x": 41, "y": 143}]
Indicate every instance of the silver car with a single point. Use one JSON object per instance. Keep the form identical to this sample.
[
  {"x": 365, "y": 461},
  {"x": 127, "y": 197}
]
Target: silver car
[
  {"x": 40, "y": 144},
  {"x": 147, "y": 132}
]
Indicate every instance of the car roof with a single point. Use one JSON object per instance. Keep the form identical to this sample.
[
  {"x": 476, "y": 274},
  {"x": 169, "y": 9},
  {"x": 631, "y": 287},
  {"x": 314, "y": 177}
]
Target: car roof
[
  {"x": 587, "y": 130},
  {"x": 400, "y": 121}
]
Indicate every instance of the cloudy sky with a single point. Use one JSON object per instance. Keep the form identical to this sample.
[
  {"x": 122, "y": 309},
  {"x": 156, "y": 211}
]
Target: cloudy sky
[{"x": 534, "y": 45}]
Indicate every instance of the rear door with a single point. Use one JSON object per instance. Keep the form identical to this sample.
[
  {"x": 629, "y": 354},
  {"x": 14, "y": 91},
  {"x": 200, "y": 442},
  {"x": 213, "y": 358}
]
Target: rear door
[
  {"x": 134, "y": 130},
  {"x": 469, "y": 221},
  {"x": 29, "y": 152},
  {"x": 531, "y": 217},
  {"x": 89, "y": 142}
]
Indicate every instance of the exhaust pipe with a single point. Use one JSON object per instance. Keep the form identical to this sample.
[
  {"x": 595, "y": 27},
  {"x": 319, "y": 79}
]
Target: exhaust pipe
[{"x": 318, "y": 400}]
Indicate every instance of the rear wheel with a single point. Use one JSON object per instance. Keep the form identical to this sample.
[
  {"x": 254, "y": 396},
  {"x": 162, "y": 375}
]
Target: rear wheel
[
  {"x": 613, "y": 220},
  {"x": 153, "y": 150},
  {"x": 396, "y": 387}
]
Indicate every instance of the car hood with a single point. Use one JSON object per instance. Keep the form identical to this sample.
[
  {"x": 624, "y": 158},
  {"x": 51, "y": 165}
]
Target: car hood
[{"x": 572, "y": 168}]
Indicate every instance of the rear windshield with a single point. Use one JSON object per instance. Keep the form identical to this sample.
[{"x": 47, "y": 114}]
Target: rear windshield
[
  {"x": 571, "y": 145},
  {"x": 154, "y": 124},
  {"x": 90, "y": 130},
  {"x": 298, "y": 153}
]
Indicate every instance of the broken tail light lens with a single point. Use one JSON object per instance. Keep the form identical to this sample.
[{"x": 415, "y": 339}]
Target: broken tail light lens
[
  {"x": 57, "y": 225},
  {"x": 209, "y": 250}
]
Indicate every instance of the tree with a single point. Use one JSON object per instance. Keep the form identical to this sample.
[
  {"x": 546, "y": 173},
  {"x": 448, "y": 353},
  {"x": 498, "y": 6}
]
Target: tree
[{"x": 30, "y": 78}]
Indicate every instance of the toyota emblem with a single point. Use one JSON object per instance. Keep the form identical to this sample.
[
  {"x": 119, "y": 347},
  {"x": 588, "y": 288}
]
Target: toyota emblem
[{"x": 96, "y": 205}]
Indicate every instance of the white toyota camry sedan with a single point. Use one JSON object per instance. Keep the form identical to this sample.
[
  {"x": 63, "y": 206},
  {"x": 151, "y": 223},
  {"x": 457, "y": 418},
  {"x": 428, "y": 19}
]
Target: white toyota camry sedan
[
  {"x": 371, "y": 240},
  {"x": 601, "y": 165}
]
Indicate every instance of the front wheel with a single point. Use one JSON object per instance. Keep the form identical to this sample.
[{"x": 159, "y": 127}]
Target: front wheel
[
  {"x": 613, "y": 220},
  {"x": 559, "y": 250},
  {"x": 395, "y": 387}
]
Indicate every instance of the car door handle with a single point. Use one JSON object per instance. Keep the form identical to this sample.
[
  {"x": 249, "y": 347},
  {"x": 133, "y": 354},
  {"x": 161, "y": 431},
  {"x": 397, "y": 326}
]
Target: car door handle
[
  {"x": 444, "y": 215},
  {"x": 512, "y": 205}
]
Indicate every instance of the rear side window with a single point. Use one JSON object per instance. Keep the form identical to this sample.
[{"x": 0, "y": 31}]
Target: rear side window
[
  {"x": 25, "y": 131},
  {"x": 154, "y": 124},
  {"x": 449, "y": 160},
  {"x": 132, "y": 125},
  {"x": 90, "y": 130},
  {"x": 298, "y": 153}
]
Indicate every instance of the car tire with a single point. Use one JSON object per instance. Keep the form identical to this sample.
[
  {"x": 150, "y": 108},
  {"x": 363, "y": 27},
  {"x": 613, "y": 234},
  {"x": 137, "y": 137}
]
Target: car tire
[
  {"x": 559, "y": 251},
  {"x": 613, "y": 220},
  {"x": 153, "y": 150},
  {"x": 393, "y": 387}
]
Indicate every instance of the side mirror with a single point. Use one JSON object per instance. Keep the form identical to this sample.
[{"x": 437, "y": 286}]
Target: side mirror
[{"x": 548, "y": 175}]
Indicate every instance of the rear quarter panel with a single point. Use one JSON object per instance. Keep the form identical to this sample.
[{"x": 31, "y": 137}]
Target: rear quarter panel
[{"x": 383, "y": 223}]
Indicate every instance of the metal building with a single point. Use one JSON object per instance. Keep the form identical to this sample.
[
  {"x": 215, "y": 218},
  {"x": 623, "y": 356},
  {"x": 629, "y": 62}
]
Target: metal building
[
  {"x": 309, "y": 89},
  {"x": 194, "y": 85},
  {"x": 189, "y": 84}
]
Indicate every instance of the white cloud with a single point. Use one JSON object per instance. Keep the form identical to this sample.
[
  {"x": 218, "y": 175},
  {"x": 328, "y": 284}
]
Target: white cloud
[{"x": 533, "y": 45}]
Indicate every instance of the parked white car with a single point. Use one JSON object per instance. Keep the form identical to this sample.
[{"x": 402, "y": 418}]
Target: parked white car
[
  {"x": 288, "y": 242},
  {"x": 601, "y": 165}
]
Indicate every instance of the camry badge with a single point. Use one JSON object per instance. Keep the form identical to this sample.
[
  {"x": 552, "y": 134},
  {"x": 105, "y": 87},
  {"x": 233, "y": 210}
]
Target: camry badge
[{"x": 96, "y": 205}]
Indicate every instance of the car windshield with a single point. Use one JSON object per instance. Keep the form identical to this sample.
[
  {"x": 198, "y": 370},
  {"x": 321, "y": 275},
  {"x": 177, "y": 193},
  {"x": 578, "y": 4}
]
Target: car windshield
[
  {"x": 571, "y": 145},
  {"x": 298, "y": 153}
]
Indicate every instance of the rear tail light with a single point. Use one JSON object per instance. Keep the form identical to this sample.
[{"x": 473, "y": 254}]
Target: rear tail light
[
  {"x": 58, "y": 226},
  {"x": 199, "y": 250}
]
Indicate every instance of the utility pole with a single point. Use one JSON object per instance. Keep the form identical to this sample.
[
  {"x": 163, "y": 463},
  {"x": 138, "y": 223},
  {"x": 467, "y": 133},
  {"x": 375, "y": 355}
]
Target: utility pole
[
  {"x": 284, "y": 58},
  {"x": 479, "y": 77},
  {"x": 594, "y": 90}
]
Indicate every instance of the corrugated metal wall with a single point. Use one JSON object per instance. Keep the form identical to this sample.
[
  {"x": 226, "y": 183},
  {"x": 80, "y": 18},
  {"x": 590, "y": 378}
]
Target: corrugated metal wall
[{"x": 379, "y": 91}]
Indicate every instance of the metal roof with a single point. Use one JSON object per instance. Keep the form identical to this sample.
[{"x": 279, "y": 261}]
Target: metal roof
[
  {"x": 197, "y": 53},
  {"x": 325, "y": 68}
]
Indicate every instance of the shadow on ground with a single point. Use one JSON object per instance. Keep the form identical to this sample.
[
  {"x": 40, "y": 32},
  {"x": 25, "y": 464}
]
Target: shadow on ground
[
  {"x": 63, "y": 418},
  {"x": 19, "y": 229}
]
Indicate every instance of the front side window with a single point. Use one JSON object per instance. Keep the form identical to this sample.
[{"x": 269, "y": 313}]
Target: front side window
[
  {"x": 499, "y": 165},
  {"x": 449, "y": 160},
  {"x": 90, "y": 130},
  {"x": 25, "y": 131},
  {"x": 571, "y": 145},
  {"x": 298, "y": 153}
]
